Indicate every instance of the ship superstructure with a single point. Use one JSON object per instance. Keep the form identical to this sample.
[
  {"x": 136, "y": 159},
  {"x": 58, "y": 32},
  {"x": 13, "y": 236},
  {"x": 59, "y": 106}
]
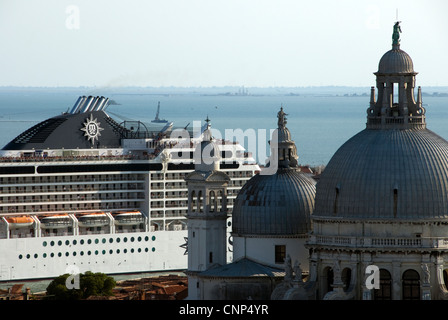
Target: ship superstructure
[{"x": 83, "y": 191}]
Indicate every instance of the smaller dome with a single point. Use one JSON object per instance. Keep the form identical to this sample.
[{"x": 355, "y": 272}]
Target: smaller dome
[
  {"x": 283, "y": 134},
  {"x": 396, "y": 61},
  {"x": 279, "y": 204}
]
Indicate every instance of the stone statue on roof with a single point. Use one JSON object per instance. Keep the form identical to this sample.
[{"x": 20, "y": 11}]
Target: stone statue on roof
[
  {"x": 281, "y": 115},
  {"x": 288, "y": 269},
  {"x": 396, "y": 34}
]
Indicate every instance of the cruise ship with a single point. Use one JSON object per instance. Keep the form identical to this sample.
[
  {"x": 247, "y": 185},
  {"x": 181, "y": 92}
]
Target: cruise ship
[{"x": 82, "y": 191}]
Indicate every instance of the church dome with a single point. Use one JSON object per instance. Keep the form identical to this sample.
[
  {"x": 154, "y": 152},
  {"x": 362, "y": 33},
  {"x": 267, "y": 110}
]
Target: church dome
[
  {"x": 278, "y": 204},
  {"x": 284, "y": 134},
  {"x": 386, "y": 174},
  {"x": 395, "y": 168},
  {"x": 395, "y": 61}
]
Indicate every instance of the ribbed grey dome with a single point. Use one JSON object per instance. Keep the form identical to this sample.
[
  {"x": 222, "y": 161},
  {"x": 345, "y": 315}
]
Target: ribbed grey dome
[
  {"x": 392, "y": 174},
  {"x": 396, "y": 61},
  {"x": 278, "y": 204}
]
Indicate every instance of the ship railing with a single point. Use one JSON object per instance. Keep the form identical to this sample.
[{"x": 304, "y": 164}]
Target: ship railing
[
  {"x": 88, "y": 232},
  {"x": 129, "y": 230},
  {"x": 55, "y": 234},
  {"x": 75, "y": 158},
  {"x": 21, "y": 235}
]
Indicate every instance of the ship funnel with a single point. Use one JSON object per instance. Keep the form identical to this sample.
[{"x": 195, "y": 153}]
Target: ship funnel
[
  {"x": 104, "y": 105},
  {"x": 81, "y": 104},
  {"x": 78, "y": 104},
  {"x": 89, "y": 104},
  {"x": 93, "y": 104},
  {"x": 100, "y": 104}
]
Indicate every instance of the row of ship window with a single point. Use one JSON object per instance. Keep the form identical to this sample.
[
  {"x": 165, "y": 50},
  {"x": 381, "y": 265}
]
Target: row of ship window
[
  {"x": 96, "y": 241},
  {"x": 96, "y": 252}
]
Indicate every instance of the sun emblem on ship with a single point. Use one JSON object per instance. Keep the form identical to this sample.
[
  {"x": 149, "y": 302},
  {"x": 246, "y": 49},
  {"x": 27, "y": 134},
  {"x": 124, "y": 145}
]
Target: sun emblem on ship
[{"x": 92, "y": 129}]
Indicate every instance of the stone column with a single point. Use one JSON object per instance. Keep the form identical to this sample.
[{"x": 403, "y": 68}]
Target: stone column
[
  {"x": 396, "y": 280},
  {"x": 367, "y": 293}
]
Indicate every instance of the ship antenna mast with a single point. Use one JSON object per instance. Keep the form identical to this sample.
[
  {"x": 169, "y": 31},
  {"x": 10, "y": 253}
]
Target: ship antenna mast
[{"x": 158, "y": 109}]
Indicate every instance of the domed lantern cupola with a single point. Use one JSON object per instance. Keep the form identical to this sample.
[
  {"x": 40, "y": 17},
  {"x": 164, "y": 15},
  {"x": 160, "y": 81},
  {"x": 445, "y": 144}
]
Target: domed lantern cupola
[
  {"x": 282, "y": 145},
  {"x": 206, "y": 154},
  {"x": 395, "y": 106}
]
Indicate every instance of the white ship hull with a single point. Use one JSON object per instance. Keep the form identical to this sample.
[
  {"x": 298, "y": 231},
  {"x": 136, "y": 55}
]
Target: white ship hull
[
  {"x": 36, "y": 258},
  {"x": 80, "y": 192}
]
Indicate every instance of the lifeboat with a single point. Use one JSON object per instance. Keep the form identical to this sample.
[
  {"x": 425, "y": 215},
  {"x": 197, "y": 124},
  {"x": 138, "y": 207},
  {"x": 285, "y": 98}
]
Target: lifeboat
[
  {"x": 20, "y": 222},
  {"x": 128, "y": 218},
  {"x": 56, "y": 221},
  {"x": 93, "y": 219}
]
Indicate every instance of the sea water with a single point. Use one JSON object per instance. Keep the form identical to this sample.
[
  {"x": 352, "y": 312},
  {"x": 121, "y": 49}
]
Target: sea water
[{"x": 319, "y": 123}]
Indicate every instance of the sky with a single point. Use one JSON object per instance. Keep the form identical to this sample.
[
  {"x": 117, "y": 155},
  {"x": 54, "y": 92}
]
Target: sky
[{"x": 252, "y": 43}]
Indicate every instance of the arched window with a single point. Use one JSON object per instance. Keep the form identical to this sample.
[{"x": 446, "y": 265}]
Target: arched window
[
  {"x": 193, "y": 201},
  {"x": 395, "y": 202},
  {"x": 411, "y": 285},
  {"x": 336, "y": 201},
  {"x": 346, "y": 278},
  {"x": 445, "y": 278},
  {"x": 200, "y": 200},
  {"x": 327, "y": 282},
  {"x": 219, "y": 201},
  {"x": 385, "y": 290},
  {"x": 213, "y": 202}
]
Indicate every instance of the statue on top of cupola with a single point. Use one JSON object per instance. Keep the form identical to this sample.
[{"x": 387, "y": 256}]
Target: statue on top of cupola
[{"x": 396, "y": 34}]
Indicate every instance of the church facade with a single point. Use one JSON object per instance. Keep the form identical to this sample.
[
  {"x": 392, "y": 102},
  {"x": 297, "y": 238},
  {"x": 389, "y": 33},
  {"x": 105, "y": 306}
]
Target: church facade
[
  {"x": 380, "y": 222},
  {"x": 374, "y": 227}
]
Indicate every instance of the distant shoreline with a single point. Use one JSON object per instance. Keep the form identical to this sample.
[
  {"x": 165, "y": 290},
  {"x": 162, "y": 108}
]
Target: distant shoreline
[{"x": 225, "y": 91}]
